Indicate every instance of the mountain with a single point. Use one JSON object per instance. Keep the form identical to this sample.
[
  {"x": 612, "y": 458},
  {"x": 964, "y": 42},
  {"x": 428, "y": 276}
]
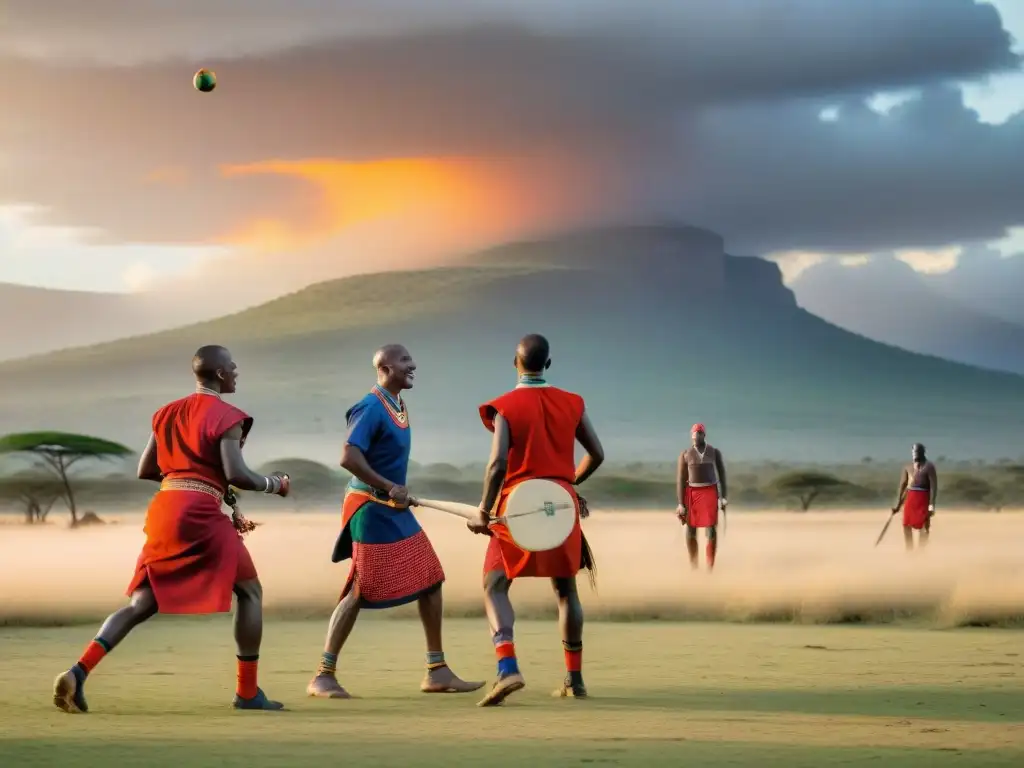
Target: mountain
[
  {"x": 886, "y": 300},
  {"x": 656, "y": 326},
  {"x": 43, "y": 320}
]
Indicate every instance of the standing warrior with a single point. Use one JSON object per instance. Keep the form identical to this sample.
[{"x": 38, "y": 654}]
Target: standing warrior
[
  {"x": 535, "y": 427},
  {"x": 193, "y": 558},
  {"x": 393, "y": 561},
  {"x": 701, "y": 472},
  {"x": 919, "y": 487}
]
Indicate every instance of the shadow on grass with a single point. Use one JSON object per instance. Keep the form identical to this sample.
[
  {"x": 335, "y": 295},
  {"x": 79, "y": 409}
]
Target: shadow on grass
[
  {"x": 939, "y": 704},
  {"x": 262, "y": 750}
]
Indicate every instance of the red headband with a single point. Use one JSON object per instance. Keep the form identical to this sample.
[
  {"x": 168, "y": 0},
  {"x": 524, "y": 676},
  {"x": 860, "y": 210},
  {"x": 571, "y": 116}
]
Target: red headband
[{"x": 698, "y": 428}]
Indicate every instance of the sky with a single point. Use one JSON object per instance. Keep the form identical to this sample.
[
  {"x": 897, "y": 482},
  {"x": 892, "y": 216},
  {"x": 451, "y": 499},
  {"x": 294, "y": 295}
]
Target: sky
[{"x": 361, "y": 135}]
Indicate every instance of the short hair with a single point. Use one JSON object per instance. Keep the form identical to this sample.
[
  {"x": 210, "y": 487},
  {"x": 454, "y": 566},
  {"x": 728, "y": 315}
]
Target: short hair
[
  {"x": 533, "y": 352},
  {"x": 383, "y": 355},
  {"x": 207, "y": 360}
]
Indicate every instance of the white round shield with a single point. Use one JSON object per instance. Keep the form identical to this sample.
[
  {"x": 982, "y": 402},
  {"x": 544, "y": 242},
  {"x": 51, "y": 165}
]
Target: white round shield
[{"x": 539, "y": 514}]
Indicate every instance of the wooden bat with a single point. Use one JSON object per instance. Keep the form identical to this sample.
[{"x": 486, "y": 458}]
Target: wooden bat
[{"x": 466, "y": 511}]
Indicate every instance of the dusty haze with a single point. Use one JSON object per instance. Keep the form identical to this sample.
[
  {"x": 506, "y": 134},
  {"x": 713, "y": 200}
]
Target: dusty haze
[{"x": 771, "y": 566}]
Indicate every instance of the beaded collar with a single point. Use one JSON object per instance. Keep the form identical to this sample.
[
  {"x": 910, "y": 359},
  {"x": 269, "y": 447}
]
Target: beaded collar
[
  {"x": 531, "y": 380},
  {"x": 395, "y": 407}
]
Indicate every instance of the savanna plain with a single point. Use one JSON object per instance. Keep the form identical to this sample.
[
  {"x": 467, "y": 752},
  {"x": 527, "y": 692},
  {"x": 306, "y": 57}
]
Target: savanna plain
[{"x": 807, "y": 646}]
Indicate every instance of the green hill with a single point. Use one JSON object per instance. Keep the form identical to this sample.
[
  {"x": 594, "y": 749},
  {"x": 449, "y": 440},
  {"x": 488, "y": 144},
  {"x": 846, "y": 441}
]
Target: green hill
[{"x": 656, "y": 327}]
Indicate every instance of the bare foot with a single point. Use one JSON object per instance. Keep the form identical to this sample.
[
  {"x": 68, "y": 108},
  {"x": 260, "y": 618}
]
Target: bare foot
[
  {"x": 326, "y": 687},
  {"x": 443, "y": 680}
]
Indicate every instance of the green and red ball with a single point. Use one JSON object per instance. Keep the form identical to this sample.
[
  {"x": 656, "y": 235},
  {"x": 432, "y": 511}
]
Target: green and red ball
[{"x": 205, "y": 80}]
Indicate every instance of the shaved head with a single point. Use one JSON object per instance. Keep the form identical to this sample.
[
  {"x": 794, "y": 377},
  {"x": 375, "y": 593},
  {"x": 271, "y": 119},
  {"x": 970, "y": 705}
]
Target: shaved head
[
  {"x": 215, "y": 369},
  {"x": 533, "y": 354},
  {"x": 387, "y": 354},
  {"x": 208, "y": 360},
  {"x": 395, "y": 367}
]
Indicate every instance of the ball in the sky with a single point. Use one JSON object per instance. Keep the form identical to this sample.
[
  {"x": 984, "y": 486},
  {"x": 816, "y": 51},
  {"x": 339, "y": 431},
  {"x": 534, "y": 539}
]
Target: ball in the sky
[{"x": 205, "y": 80}]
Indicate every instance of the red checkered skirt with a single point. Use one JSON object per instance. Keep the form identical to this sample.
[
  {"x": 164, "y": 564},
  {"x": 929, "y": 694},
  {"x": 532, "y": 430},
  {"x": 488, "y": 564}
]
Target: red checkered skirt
[{"x": 389, "y": 573}]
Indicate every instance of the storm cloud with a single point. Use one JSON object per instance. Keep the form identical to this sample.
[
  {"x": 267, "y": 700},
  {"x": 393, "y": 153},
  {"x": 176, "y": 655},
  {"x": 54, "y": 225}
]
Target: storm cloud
[{"x": 560, "y": 112}]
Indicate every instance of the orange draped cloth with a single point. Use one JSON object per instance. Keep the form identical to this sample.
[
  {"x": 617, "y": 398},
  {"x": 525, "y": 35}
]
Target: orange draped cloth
[
  {"x": 542, "y": 423},
  {"x": 193, "y": 556}
]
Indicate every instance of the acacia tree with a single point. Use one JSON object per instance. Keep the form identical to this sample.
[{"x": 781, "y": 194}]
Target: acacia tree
[
  {"x": 34, "y": 493},
  {"x": 806, "y": 486},
  {"x": 58, "y": 452}
]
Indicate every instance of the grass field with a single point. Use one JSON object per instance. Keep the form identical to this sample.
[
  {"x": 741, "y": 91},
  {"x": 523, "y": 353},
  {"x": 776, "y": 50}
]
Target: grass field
[
  {"x": 662, "y": 694},
  {"x": 871, "y": 659}
]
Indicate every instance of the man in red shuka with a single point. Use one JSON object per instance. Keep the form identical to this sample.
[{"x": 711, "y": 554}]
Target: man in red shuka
[
  {"x": 193, "y": 559},
  {"x": 701, "y": 472},
  {"x": 919, "y": 487},
  {"x": 535, "y": 428}
]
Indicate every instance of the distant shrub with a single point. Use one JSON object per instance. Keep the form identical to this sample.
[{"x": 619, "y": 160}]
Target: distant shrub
[{"x": 807, "y": 487}]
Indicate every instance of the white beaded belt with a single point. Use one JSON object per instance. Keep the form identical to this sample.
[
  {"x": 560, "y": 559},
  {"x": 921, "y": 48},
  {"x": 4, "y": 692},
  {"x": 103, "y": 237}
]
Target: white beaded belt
[
  {"x": 183, "y": 484},
  {"x": 912, "y": 488},
  {"x": 701, "y": 485}
]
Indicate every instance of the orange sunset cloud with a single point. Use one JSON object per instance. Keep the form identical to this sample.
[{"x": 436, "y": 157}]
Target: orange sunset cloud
[{"x": 465, "y": 193}]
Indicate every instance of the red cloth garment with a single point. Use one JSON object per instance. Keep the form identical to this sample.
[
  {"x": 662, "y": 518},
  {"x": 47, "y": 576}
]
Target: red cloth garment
[
  {"x": 702, "y": 506},
  {"x": 193, "y": 556},
  {"x": 915, "y": 509},
  {"x": 542, "y": 423},
  {"x": 392, "y": 557}
]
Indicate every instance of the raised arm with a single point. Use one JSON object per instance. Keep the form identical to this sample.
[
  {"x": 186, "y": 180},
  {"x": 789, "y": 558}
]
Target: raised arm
[
  {"x": 720, "y": 469},
  {"x": 149, "y": 469},
  {"x": 902, "y": 492},
  {"x": 497, "y": 464},
  {"x": 238, "y": 474},
  {"x": 933, "y": 484},
  {"x": 587, "y": 437}
]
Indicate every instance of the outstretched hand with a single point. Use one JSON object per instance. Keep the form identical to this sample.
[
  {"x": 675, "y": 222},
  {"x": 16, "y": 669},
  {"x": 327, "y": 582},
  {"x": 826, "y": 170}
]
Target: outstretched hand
[{"x": 284, "y": 484}]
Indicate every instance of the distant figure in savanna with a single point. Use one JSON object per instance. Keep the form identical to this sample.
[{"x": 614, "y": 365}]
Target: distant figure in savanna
[
  {"x": 701, "y": 492},
  {"x": 918, "y": 490}
]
